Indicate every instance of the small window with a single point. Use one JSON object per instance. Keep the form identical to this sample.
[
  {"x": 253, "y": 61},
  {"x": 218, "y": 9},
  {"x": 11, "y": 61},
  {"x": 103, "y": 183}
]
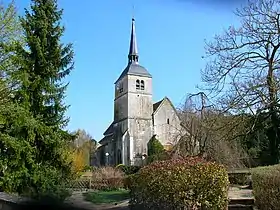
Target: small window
[
  {"x": 137, "y": 84},
  {"x": 167, "y": 120},
  {"x": 142, "y": 86}
]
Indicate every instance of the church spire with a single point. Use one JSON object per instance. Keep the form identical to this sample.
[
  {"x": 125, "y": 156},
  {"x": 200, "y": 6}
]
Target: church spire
[{"x": 133, "y": 51}]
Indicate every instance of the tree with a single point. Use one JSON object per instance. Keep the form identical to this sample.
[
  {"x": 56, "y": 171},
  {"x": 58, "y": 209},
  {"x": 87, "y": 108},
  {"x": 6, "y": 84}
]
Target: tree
[
  {"x": 154, "y": 147},
  {"x": 210, "y": 133},
  {"x": 243, "y": 69},
  {"x": 13, "y": 118},
  {"x": 156, "y": 151},
  {"x": 86, "y": 145},
  {"x": 32, "y": 128},
  {"x": 44, "y": 64},
  {"x": 81, "y": 137},
  {"x": 10, "y": 34}
]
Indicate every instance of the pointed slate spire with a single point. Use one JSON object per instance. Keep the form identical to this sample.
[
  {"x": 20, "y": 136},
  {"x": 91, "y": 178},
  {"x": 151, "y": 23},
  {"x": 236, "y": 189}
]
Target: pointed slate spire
[{"x": 133, "y": 51}]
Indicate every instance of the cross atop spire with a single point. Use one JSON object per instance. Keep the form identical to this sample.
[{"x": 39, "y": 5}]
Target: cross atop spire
[{"x": 133, "y": 51}]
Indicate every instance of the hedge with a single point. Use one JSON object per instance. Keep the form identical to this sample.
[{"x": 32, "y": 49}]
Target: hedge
[
  {"x": 179, "y": 183},
  {"x": 266, "y": 187}
]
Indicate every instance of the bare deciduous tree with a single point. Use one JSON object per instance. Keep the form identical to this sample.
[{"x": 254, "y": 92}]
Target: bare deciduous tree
[
  {"x": 243, "y": 70},
  {"x": 210, "y": 133}
]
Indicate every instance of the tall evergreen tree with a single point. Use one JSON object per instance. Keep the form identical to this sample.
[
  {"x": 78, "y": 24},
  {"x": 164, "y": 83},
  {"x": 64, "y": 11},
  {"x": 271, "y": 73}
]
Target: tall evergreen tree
[{"x": 45, "y": 63}]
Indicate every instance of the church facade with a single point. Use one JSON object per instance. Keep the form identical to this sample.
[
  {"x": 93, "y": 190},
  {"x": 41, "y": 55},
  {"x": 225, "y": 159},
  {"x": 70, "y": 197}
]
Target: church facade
[{"x": 136, "y": 118}]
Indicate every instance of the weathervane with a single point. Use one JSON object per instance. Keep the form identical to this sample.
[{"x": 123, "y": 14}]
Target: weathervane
[{"x": 133, "y": 9}]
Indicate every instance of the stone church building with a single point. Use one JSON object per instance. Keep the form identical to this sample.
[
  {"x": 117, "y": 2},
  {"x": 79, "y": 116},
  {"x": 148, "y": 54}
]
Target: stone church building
[{"x": 136, "y": 118}]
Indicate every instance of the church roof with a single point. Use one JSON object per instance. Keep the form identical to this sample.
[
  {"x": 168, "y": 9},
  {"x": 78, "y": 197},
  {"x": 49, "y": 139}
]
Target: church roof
[
  {"x": 109, "y": 130},
  {"x": 156, "y": 105},
  {"x": 133, "y": 67}
]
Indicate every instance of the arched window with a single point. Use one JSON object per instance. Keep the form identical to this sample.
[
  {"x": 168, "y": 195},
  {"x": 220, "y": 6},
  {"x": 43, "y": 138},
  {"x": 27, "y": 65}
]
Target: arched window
[
  {"x": 142, "y": 85},
  {"x": 137, "y": 84},
  {"x": 167, "y": 120}
]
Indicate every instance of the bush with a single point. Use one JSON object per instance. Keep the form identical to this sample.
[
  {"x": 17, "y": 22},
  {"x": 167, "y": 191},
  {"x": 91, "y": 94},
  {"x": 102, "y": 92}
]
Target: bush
[
  {"x": 128, "y": 170},
  {"x": 266, "y": 187},
  {"x": 179, "y": 183},
  {"x": 164, "y": 155},
  {"x": 53, "y": 185},
  {"x": 238, "y": 178},
  {"x": 154, "y": 147},
  {"x": 107, "y": 178}
]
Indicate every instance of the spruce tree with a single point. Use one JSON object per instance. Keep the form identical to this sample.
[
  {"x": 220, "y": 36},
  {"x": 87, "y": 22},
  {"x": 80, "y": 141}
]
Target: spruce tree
[{"x": 45, "y": 63}]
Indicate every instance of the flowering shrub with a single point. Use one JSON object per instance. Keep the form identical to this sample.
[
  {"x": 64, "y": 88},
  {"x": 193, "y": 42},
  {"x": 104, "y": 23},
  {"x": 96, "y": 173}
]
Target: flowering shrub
[
  {"x": 266, "y": 185},
  {"x": 190, "y": 183}
]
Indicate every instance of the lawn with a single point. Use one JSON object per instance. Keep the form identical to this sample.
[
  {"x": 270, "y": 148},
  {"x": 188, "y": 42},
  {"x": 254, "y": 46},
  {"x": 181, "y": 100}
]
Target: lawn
[{"x": 102, "y": 197}]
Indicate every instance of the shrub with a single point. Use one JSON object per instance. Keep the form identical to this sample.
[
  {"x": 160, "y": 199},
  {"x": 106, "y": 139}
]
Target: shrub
[
  {"x": 266, "y": 186},
  {"x": 107, "y": 178},
  {"x": 154, "y": 146},
  {"x": 179, "y": 183},
  {"x": 128, "y": 170},
  {"x": 53, "y": 185},
  {"x": 164, "y": 155},
  {"x": 238, "y": 178}
]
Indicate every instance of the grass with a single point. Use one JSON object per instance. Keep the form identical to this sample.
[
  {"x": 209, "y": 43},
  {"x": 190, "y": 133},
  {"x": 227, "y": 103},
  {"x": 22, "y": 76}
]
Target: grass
[{"x": 106, "y": 197}]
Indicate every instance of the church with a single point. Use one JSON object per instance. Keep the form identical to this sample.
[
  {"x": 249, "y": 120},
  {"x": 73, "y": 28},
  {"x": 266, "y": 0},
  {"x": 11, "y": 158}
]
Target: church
[{"x": 136, "y": 118}]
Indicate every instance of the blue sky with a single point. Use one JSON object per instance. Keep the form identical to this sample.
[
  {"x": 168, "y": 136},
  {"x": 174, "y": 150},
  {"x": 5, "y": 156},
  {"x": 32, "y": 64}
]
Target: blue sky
[{"x": 170, "y": 35}]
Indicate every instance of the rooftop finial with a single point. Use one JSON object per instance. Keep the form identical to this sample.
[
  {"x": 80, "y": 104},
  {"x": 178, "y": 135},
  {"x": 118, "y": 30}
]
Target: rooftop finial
[
  {"x": 133, "y": 11},
  {"x": 133, "y": 51}
]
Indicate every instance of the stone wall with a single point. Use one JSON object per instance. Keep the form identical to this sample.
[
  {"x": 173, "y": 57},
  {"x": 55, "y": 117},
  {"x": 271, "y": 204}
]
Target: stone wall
[{"x": 167, "y": 127}]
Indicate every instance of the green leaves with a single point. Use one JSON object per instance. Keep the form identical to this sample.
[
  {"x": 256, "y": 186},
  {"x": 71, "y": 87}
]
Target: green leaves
[
  {"x": 177, "y": 183},
  {"x": 32, "y": 114},
  {"x": 266, "y": 185},
  {"x": 46, "y": 61}
]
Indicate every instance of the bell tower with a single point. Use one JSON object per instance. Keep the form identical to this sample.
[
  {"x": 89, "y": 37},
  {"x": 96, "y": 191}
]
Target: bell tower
[{"x": 133, "y": 104}]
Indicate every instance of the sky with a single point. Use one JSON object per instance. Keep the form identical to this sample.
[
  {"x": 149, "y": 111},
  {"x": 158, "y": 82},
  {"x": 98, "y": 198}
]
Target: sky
[{"x": 171, "y": 37}]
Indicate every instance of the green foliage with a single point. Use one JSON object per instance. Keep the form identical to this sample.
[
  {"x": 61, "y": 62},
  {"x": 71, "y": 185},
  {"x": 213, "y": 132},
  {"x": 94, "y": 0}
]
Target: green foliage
[
  {"x": 44, "y": 64},
  {"x": 177, "y": 183},
  {"x": 10, "y": 36},
  {"x": 266, "y": 185},
  {"x": 33, "y": 145},
  {"x": 156, "y": 151},
  {"x": 128, "y": 170},
  {"x": 238, "y": 178},
  {"x": 53, "y": 185},
  {"x": 154, "y": 147},
  {"x": 164, "y": 155},
  {"x": 23, "y": 170},
  {"x": 260, "y": 142}
]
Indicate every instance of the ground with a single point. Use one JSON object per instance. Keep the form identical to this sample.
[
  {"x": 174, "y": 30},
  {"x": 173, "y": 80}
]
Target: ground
[
  {"x": 78, "y": 200},
  {"x": 107, "y": 197},
  {"x": 118, "y": 200}
]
